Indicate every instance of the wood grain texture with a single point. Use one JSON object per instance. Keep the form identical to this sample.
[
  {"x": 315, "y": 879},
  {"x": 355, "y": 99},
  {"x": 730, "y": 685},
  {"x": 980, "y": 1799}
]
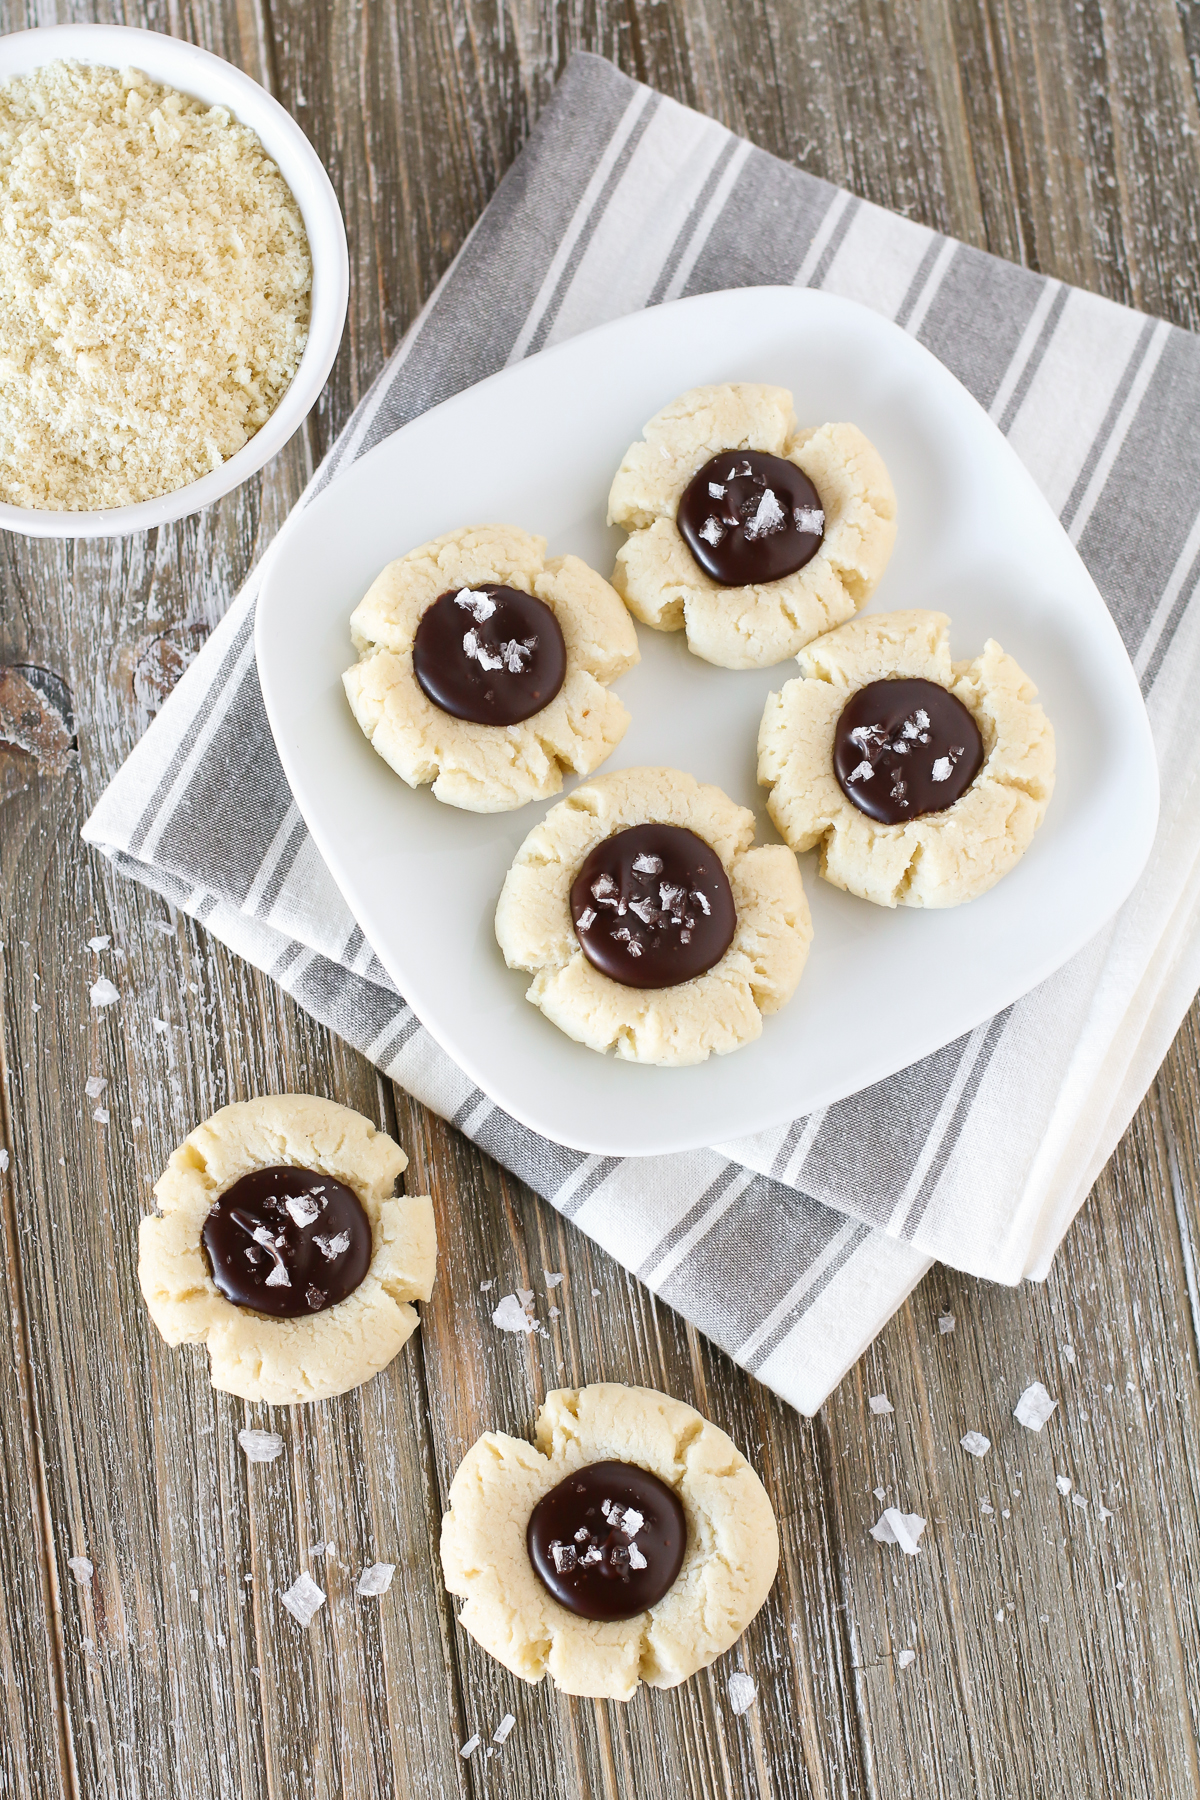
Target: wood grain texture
[{"x": 1056, "y": 1649}]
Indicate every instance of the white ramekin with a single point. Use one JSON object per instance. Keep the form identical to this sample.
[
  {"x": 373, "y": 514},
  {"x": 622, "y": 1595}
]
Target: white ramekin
[{"x": 207, "y": 77}]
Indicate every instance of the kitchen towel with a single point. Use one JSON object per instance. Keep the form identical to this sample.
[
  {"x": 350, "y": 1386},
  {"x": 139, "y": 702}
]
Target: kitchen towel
[{"x": 791, "y": 1249}]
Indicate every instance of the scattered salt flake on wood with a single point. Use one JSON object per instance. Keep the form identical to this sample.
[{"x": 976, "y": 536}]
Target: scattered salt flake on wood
[
  {"x": 975, "y": 1444},
  {"x": 879, "y": 1492},
  {"x": 552, "y": 1281},
  {"x": 260, "y": 1446},
  {"x": 1104, "y": 1512},
  {"x": 906, "y": 1657},
  {"x": 742, "y": 1692},
  {"x": 510, "y": 1315},
  {"x": 595, "y": 1293},
  {"x": 161, "y": 1025},
  {"x": 555, "y": 1313},
  {"x": 985, "y": 1506},
  {"x": 377, "y": 1579},
  {"x": 82, "y": 1569},
  {"x": 524, "y": 1295},
  {"x": 470, "y": 1747},
  {"x": 3, "y": 1162},
  {"x": 1034, "y": 1407},
  {"x": 100, "y": 1115},
  {"x": 1079, "y": 1500},
  {"x": 900, "y": 1528},
  {"x": 94, "y": 1086},
  {"x": 485, "y": 1287},
  {"x": 1068, "y": 1351},
  {"x": 304, "y": 1599},
  {"x": 879, "y": 1403},
  {"x": 1063, "y": 1483},
  {"x": 503, "y": 1728},
  {"x": 99, "y": 943},
  {"x": 103, "y": 993},
  {"x": 946, "y": 1323}
]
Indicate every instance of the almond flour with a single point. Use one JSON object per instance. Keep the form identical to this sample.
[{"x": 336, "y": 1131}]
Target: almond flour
[{"x": 154, "y": 288}]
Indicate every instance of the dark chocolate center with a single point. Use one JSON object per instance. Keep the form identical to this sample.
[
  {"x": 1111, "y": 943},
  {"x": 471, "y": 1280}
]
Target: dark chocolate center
[
  {"x": 750, "y": 517},
  {"x": 608, "y": 1541},
  {"x": 653, "y": 907},
  {"x": 493, "y": 655},
  {"x": 287, "y": 1242},
  {"x": 904, "y": 748}
]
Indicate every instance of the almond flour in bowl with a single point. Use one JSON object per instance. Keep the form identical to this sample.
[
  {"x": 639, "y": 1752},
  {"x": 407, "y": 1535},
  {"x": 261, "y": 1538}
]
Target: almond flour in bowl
[{"x": 155, "y": 281}]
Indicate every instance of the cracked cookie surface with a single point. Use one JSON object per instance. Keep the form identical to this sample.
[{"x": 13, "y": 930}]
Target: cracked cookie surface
[
  {"x": 941, "y": 858},
  {"x": 712, "y": 1013},
  {"x": 486, "y": 767},
  {"x": 286, "y": 1361},
  {"x": 728, "y": 1565},
  {"x": 748, "y": 627}
]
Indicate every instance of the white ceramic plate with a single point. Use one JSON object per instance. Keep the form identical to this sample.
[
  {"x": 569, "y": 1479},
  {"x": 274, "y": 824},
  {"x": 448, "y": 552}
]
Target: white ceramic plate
[{"x": 537, "y": 446}]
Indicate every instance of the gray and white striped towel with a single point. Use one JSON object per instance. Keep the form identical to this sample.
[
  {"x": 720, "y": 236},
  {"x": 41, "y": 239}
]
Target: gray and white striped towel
[{"x": 793, "y": 1248}]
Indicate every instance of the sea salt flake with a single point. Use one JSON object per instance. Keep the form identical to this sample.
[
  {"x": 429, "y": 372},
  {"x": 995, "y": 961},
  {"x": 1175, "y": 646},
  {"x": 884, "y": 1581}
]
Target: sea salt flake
[
  {"x": 555, "y": 1313},
  {"x": 586, "y": 919},
  {"x": 1068, "y": 1351},
  {"x": 647, "y": 865},
  {"x": 102, "y": 992},
  {"x": 303, "y": 1599},
  {"x": 986, "y": 1507},
  {"x": 485, "y": 1287},
  {"x": 524, "y": 1295},
  {"x": 278, "y": 1277},
  {"x": 942, "y": 769},
  {"x": 331, "y": 1247},
  {"x": 809, "y": 518},
  {"x": 591, "y": 1555},
  {"x": 879, "y": 1493},
  {"x": 160, "y": 1025},
  {"x": 552, "y": 1280},
  {"x": 946, "y": 1323},
  {"x": 565, "y": 1556},
  {"x": 1034, "y": 1407},
  {"x": 900, "y": 1528},
  {"x": 717, "y": 491},
  {"x": 1063, "y": 1483},
  {"x": 260, "y": 1446},
  {"x": 636, "y": 1559},
  {"x": 769, "y": 517},
  {"x": 906, "y": 1658},
  {"x": 503, "y": 1728},
  {"x": 510, "y": 1315},
  {"x": 101, "y": 1115},
  {"x": 603, "y": 888},
  {"x": 3, "y": 1162},
  {"x": 632, "y": 1522},
  {"x": 702, "y": 902},
  {"x": 1079, "y": 1500},
  {"x": 82, "y": 1569},
  {"x": 512, "y": 653},
  {"x": 482, "y": 656},
  {"x": 975, "y": 1444},
  {"x": 861, "y": 772},
  {"x": 1104, "y": 1512},
  {"x": 582, "y": 1535},
  {"x": 470, "y": 1747},
  {"x": 302, "y": 1208},
  {"x": 879, "y": 1403},
  {"x": 99, "y": 943},
  {"x": 742, "y": 1692},
  {"x": 712, "y": 530},
  {"x": 94, "y": 1086},
  {"x": 645, "y": 910},
  {"x": 376, "y": 1580},
  {"x": 480, "y": 606}
]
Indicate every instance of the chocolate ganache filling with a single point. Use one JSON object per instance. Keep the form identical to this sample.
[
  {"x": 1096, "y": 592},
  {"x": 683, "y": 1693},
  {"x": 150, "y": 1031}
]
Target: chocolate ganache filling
[
  {"x": 750, "y": 517},
  {"x": 608, "y": 1541},
  {"x": 653, "y": 907},
  {"x": 492, "y": 655},
  {"x": 287, "y": 1242},
  {"x": 904, "y": 748}
]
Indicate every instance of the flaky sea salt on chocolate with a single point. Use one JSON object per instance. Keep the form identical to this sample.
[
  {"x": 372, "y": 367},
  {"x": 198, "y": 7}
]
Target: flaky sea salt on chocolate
[
  {"x": 510, "y": 1315},
  {"x": 975, "y": 1444},
  {"x": 376, "y": 1580},
  {"x": 1034, "y": 1407},
  {"x": 260, "y": 1446},
  {"x": 900, "y": 1528},
  {"x": 742, "y": 1692},
  {"x": 879, "y": 1403},
  {"x": 304, "y": 1599}
]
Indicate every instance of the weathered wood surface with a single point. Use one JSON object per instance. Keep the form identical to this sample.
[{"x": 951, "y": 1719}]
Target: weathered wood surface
[{"x": 1056, "y": 1651}]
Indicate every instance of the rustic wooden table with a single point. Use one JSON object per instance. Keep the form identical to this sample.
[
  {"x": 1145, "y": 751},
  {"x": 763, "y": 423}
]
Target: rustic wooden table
[{"x": 1056, "y": 1649}]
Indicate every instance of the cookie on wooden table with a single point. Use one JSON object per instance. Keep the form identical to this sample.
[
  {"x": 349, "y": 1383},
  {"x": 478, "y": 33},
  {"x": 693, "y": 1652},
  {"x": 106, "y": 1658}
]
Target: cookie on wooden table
[
  {"x": 630, "y": 1542},
  {"x": 923, "y": 780},
  {"x": 749, "y": 534},
  {"x": 650, "y": 922},
  {"x": 484, "y": 669},
  {"x": 278, "y": 1244}
]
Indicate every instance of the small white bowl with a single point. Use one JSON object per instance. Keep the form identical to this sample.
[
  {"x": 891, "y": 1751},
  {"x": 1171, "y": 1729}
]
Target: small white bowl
[{"x": 193, "y": 71}]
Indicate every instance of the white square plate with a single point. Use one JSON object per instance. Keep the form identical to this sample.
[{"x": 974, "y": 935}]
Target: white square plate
[{"x": 537, "y": 446}]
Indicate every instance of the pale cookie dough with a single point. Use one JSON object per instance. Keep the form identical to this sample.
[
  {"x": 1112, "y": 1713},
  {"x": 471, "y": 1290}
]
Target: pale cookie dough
[
  {"x": 490, "y": 768},
  {"x": 287, "y": 1361},
  {"x": 942, "y": 858},
  {"x": 748, "y": 627},
  {"x": 715, "y": 1012},
  {"x": 729, "y": 1565}
]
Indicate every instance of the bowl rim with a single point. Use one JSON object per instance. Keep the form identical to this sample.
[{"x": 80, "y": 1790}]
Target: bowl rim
[{"x": 192, "y": 70}]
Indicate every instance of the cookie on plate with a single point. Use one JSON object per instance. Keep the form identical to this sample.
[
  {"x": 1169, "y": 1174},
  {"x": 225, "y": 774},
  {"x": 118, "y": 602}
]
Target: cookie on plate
[
  {"x": 650, "y": 923},
  {"x": 747, "y": 533},
  {"x": 922, "y": 780},
  {"x": 630, "y": 1542},
  {"x": 278, "y": 1245},
  {"x": 484, "y": 668}
]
